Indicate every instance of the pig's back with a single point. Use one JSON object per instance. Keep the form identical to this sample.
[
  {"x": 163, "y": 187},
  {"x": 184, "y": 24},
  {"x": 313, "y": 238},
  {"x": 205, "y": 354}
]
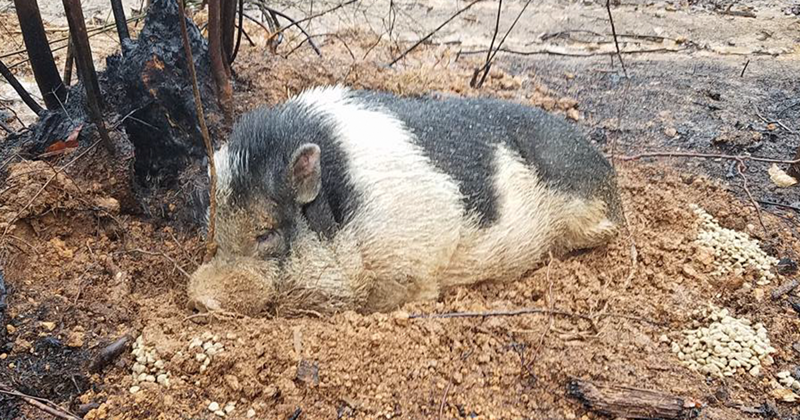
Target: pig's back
[{"x": 461, "y": 136}]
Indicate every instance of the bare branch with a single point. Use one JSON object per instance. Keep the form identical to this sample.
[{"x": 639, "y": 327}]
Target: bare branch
[
  {"x": 426, "y": 37},
  {"x": 23, "y": 94},
  {"x": 211, "y": 246}
]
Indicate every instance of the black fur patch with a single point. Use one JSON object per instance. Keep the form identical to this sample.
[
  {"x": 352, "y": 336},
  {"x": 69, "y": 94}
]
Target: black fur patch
[
  {"x": 269, "y": 137},
  {"x": 460, "y": 136}
]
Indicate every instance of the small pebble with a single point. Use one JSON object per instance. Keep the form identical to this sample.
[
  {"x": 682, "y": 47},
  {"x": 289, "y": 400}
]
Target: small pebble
[
  {"x": 134, "y": 389},
  {"x": 251, "y": 413},
  {"x": 214, "y": 406}
]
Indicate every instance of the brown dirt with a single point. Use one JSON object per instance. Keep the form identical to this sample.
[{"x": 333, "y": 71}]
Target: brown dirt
[{"x": 81, "y": 275}]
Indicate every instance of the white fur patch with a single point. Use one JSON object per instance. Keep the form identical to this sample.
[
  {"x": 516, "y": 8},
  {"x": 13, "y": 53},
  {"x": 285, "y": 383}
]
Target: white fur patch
[{"x": 411, "y": 215}]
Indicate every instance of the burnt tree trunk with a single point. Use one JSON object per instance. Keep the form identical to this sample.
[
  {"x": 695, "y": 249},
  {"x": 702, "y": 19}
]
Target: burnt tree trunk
[
  {"x": 159, "y": 157},
  {"x": 41, "y": 56}
]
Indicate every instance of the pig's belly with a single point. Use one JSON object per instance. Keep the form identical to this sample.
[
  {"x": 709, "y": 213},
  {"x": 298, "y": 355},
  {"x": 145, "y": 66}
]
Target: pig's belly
[{"x": 421, "y": 238}]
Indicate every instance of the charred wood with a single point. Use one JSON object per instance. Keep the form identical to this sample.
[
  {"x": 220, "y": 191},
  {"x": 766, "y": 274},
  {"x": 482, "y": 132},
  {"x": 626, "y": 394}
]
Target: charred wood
[
  {"x": 41, "y": 56},
  {"x": 632, "y": 403}
]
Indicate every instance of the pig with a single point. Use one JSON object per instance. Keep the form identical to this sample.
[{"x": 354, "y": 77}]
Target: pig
[{"x": 342, "y": 199}]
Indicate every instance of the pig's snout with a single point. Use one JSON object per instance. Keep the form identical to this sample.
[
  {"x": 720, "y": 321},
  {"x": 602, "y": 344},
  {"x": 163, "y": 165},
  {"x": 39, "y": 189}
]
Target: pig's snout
[{"x": 237, "y": 286}]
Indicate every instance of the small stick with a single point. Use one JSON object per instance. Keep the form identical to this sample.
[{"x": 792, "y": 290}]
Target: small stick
[
  {"x": 444, "y": 399},
  {"x": 211, "y": 246},
  {"x": 426, "y": 37},
  {"x": 744, "y": 68},
  {"x": 296, "y": 414},
  {"x": 614, "y": 33},
  {"x": 109, "y": 353},
  {"x": 772, "y": 203},
  {"x": 784, "y": 289},
  {"x": 23, "y": 94},
  {"x": 487, "y": 314},
  {"x": 705, "y": 156},
  {"x": 47, "y": 406}
]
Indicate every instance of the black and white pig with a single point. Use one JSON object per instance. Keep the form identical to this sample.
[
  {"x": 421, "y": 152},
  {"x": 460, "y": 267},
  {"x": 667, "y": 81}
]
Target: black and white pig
[{"x": 342, "y": 199}]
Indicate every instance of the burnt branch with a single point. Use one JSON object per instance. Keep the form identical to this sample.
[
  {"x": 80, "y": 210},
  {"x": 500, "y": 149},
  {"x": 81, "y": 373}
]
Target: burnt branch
[
  {"x": 23, "y": 94},
  {"x": 218, "y": 66},
  {"x": 614, "y": 34},
  {"x": 44, "y": 66},
  {"x": 487, "y": 66},
  {"x": 85, "y": 64},
  {"x": 70, "y": 61},
  {"x": 239, "y": 33},
  {"x": 211, "y": 245},
  {"x": 292, "y": 22},
  {"x": 228, "y": 31},
  {"x": 121, "y": 22},
  {"x": 632, "y": 403}
]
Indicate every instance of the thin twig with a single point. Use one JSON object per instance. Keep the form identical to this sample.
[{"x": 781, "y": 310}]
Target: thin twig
[
  {"x": 49, "y": 180},
  {"x": 549, "y": 51},
  {"x": 744, "y": 68},
  {"x": 426, "y": 37},
  {"x": 786, "y": 206},
  {"x": 740, "y": 167},
  {"x": 614, "y": 33},
  {"x": 293, "y": 23},
  {"x": 308, "y": 18},
  {"x": 705, "y": 156},
  {"x": 165, "y": 256},
  {"x": 502, "y": 40},
  {"x": 487, "y": 65},
  {"x": 444, "y": 399},
  {"x": 45, "y": 405},
  {"x": 211, "y": 246}
]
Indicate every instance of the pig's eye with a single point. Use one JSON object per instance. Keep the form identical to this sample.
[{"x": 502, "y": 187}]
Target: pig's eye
[{"x": 267, "y": 236}]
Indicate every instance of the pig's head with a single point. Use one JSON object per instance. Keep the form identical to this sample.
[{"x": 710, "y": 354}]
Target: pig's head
[{"x": 264, "y": 179}]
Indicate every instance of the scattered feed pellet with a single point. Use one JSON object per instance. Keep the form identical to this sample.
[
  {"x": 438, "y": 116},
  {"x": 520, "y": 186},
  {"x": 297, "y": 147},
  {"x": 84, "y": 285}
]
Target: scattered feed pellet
[
  {"x": 148, "y": 367},
  {"x": 207, "y": 347},
  {"x": 733, "y": 251},
  {"x": 725, "y": 346}
]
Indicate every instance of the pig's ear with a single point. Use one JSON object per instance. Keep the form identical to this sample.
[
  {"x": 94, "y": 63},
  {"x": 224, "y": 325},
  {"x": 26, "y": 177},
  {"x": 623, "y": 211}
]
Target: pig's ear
[{"x": 305, "y": 174}]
